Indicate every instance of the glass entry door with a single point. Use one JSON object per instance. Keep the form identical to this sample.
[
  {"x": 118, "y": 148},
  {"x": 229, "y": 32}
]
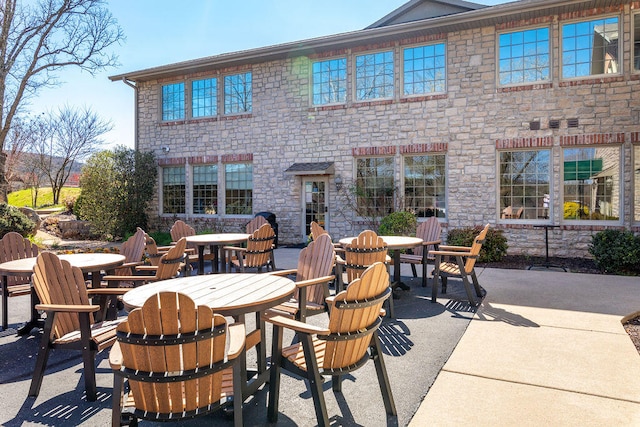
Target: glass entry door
[{"x": 314, "y": 203}]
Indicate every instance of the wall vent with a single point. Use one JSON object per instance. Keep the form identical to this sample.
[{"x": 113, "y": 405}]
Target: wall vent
[
  {"x": 572, "y": 123},
  {"x": 554, "y": 124},
  {"x": 534, "y": 125}
]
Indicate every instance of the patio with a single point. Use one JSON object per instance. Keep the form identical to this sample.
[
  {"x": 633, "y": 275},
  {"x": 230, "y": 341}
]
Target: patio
[{"x": 545, "y": 346}]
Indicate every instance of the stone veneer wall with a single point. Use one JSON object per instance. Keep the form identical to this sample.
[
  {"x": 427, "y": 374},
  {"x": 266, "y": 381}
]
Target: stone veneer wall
[{"x": 470, "y": 122}]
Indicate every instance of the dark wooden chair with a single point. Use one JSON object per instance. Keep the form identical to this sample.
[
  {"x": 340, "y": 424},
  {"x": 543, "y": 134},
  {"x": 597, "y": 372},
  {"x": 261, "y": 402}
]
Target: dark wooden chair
[
  {"x": 69, "y": 322},
  {"x": 429, "y": 231},
  {"x": 312, "y": 277},
  {"x": 258, "y": 254},
  {"x": 350, "y": 340},
  {"x": 181, "y": 229},
  {"x": 13, "y": 246},
  {"x": 459, "y": 261},
  {"x": 175, "y": 359}
]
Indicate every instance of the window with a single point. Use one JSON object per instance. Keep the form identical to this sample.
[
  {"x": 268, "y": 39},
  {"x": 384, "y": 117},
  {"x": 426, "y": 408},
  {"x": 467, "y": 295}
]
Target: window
[
  {"x": 173, "y": 190},
  {"x": 592, "y": 183},
  {"x": 636, "y": 42},
  {"x": 524, "y": 184},
  {"x": 636, "y": 181},
  {"x": 424, "y": 69},
  {"x": 374, "y": 186},
  {"x": 204, "y": 98},
  {"x": 238, "y": 188},
  {"x": 173, "y": 101},
  {"x": 374, "y": 76},
  {"x": 205, "y": 189},
  {"x": 424, "y": 185},
  {"x": 237, "y": 93},
  {"x": 329, "y": 80},
  {"x": 590, "y": 48},
  {"x": 523, "y": 56}
]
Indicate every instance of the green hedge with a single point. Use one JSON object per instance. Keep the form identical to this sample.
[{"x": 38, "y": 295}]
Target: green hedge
[
  {"x": 493, "y": 249},
  {"x": 616, "y": 251}
]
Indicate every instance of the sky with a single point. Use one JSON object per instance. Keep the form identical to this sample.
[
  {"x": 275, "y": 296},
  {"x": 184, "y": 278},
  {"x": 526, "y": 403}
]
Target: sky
[{"x": 161, "y": 32}]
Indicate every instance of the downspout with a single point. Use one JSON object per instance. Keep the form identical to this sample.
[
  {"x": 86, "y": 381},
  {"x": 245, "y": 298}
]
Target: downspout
[{"x": 135, "y": 112}]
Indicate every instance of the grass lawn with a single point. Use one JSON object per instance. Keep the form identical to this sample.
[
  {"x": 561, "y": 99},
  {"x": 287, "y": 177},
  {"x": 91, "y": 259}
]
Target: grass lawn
[{"x": 45, "y": 197}]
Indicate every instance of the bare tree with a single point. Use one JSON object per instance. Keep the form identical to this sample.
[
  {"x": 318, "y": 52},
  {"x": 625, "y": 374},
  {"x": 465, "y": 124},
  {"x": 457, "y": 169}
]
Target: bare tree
[
  {"x": 37, "y": 40},
  {"x": 70, "y": 135}
]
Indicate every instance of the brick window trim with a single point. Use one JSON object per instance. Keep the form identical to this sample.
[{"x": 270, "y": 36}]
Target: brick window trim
[
  {"x": 203, "y": 160},
  {"x": 564, "y": 227},
  {"x": 586, "y": 13},
  {"x": 592, "y": 139},
  {"x": 206, "y": 119},
  {"x": 535, "y": 142},
  {"x": 635, "y": 137},
  {"x": 431, "y": 147},
  {"x": 364, "y": 104},
  {"x": 237, "y": 158},
  {"x": 524, "y": 87},
  {"x": 389, "y": 150},
  {"x": 591, "y": 81},
  {"x": 173, "y": 161}
]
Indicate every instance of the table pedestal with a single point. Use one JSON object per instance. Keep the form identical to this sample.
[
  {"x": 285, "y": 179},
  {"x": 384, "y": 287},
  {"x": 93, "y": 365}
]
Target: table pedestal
[{"x": 547, "y": 263}]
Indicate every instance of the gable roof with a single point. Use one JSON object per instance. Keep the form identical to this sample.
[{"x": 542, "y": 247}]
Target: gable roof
[{"x": 417, "y": 10}]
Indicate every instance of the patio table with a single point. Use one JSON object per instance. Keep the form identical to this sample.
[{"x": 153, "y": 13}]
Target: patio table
[{"x": 215, "y": 241}]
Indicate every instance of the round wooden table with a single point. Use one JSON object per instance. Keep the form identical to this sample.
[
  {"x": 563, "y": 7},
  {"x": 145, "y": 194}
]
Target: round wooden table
[
  {"x": 89, "y": 263},
  {"x": 230, "y": 295},
  {"x": 215, "y": 241}
]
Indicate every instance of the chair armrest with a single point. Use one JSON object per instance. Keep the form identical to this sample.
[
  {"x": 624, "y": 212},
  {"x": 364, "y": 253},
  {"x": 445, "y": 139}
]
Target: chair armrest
[
  {"x": 284, "y": 273},
  {"x": 450, "y": 253},
  {"x": 127, "y": 279},
  {"x": 237, "y": 338},
  {"x": 292, "y": 324},
  {"x": 115, "y": 356},
  {"x": 316, "y": 281},
  {"x": 147, "y": 268},
  {"x": 83, "y": 308},
  {"x": 234, "y": 248},
  {"x": 434, "y": 242},
  {"x": 339, "y": 260},
  {"x": 455, "y": 248},
  {"x": 107, "y": 291},
  {"x": 129, "y": 265}
]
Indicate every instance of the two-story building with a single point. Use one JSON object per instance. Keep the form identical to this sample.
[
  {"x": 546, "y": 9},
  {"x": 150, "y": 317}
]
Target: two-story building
[{"x": 520, "y": 114}]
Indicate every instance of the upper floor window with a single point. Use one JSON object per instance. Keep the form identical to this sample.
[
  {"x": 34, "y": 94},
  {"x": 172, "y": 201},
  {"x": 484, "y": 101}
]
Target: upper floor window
[
  {"x": 374, "y": 186},
  {"x": 424, "y": 185},
  {"x": 173, "y": 101},
  {"x": 592, "y": 187},
  {"x": 204, "y": 97},
  {"x": 590, "y": 48},
  {"x": 424, "y": 69},
  {"x": 523, "y": 56},
  {"x": 238, "y": 188},
  {"x": 374, "y": 76},
  {"x": 636, "y": 42},
  {"x": 173, "y": 190},
  {"x": 329, "y": 79},
  {"x": 205, "y": 189},
  {"x": 237, "y": 93},
  {"x": 524, "y": 184}
]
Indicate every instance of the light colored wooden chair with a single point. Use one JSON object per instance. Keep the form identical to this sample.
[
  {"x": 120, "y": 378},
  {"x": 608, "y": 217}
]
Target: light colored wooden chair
[
  {"x": 459, "y": 261},
  {"x": 312, "y": 277},
  {"x": 255, "y": 224},
  {"x": 429, "y": 231},
  {"x": 168, "y": 267},
  {"x": 350, "y": 340},
  {"x": 12, "y": 247},
  {"x": 181, "y": 229},
  {"x": 258, "y": 254},
  {"x": 69, "y": 322},
  {"x": 316, "y": 230},
  {"x": 175, "y": 359}
]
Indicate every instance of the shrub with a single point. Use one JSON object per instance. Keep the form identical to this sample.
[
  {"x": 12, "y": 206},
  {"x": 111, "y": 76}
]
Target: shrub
[
  {"x": 401, "y": 223},
  {"x": 616, "y": 251},
  {"x": 162, "y": 238},
  {"x": 11, "y": 219},
  {"x": 493, "y": 249}
]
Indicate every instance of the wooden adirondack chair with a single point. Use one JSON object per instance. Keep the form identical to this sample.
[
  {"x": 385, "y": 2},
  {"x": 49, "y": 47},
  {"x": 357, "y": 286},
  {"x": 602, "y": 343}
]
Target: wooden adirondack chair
[
  {"x": 168, "y": 267},
  {"x": 258, "y": 254},
  {"x": 462, "y": 266},
  {"x": 182, "y": 229},
  {"x": 173, "y": 355},
  {"x": 316, "y": 230},
  {"x": 315, "y": 264},
  {"x": 13, "y": 246},
  {"x": 350, "y": 340},
  {"x": 429, "y": 231},
  {"x": 255, "y": 224},
  {"x": 69, "y": 323}
]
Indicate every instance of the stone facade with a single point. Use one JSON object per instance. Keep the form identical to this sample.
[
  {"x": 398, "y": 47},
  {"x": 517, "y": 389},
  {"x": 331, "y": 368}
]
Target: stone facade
[{"x": 470, "y": 122}]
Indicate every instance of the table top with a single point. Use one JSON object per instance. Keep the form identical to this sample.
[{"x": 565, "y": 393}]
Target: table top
[
  {"x": 218, "y": 239},
  {"x": 393, "y": 242},
  {"x": 227, "y": 294},
  {"x": 87, "y": 262}
]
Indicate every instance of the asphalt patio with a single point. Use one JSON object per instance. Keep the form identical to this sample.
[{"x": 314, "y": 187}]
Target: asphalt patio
[{"x": 545, "y": 347}]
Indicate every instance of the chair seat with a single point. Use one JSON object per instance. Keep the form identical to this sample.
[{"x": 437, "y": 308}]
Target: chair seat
[
  {"x": 449, "y": 268},
  {"x": 413, "y": 259},
  {"x": 17, "y": 290},
  {"x": 295, "y": 353},
  {"x": 102, "y": 333},
  {"x": 292, "y": 307}
]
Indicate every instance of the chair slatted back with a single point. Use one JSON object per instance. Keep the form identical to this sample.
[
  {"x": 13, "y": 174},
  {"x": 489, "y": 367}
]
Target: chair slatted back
[
  {"x": 354, "y": 311},
  {"x": 365, "y": 250},
  {"x": 172, "y": 261},
  {"x": 428, "y": 231},
  {"x": 314, "y": 261},
  {"x": 169, "y": 314},
  {"x": 260, "y": 247},
  {"x": 475, "y": 250},
  {"x": 57, "y": 282},
  {"x": 181, "y": 229},
  {"x": 255, "y": 224},
  {"x": 12, "y": 247},
  {"x": 316, "y": 230},
  {"x": 133, "y": 248}
]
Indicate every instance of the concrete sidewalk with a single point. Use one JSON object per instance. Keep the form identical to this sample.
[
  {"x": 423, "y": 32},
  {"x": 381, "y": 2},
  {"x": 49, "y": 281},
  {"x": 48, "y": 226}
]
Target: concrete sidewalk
[{"x": 545, "y": 348}]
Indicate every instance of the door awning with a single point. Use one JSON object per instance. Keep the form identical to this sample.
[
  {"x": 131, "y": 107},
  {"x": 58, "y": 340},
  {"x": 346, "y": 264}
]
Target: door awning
[{"x": 320, "y": 168}]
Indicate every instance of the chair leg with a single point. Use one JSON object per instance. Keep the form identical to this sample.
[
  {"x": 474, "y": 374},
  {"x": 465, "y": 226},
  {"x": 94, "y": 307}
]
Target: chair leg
[
  {"x": 383, "y": 378},
  {"x": 476, "y": 285},
  {"x": 116, "y": 403},
  {"x": 435, "y": 280},
  {"x": 413, "y": 270},
  {"x": 274, "y": 374},
  {"x": 43, "y": 356},
  {"x": 315, "y": 381},
  {"x": 88, "y": 358},
  {"x": 237, "y": 393},
  {"x": 336, "y": 383},
  {"x": 5, "y": 297}
]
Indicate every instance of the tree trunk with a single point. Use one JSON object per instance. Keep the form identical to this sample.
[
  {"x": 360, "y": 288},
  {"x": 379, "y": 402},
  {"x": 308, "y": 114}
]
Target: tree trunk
[{"x": 4, "y": 185}]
